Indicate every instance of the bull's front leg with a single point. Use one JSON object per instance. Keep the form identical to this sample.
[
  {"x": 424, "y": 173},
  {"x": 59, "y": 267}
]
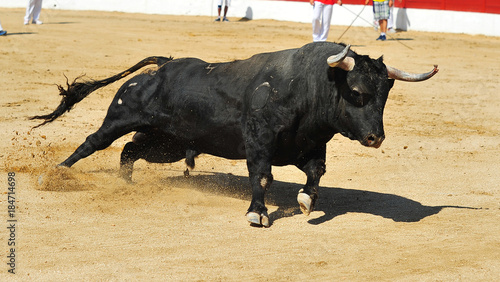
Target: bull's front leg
[
  {"x": 314, "y": 168},
  {"x": 259, "y": 150},
  {"x": 257, "y": 212}
]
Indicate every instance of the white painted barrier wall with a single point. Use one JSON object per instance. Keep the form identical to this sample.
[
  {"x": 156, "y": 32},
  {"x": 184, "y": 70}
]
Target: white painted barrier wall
[{"x": 406, "y": 19}]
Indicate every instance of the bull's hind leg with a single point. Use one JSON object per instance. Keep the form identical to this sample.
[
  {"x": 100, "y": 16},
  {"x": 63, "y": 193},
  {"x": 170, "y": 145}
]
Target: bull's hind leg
[
  {"x": 190, "y": 155},
  {"x": 110, "y": 130},
  {"x": 154, "y": 147},
  {"x": 314, "y": 168},
  {"x": 97, "y": 141},
  {"x": 131, "y": 153}
]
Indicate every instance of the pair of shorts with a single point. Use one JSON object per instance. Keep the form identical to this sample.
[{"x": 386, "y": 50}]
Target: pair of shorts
[
  {"x": 381, "y": 10},
  {"x": 228, "y": 3}
]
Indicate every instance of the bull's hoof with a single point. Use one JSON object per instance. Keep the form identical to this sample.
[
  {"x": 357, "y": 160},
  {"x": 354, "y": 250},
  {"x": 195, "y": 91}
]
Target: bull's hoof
[
  {"x": 41, "y": 179},
  {"x": 127, "y": 176},
  {"x": 186, "y": 173},
  {"x": 258, "y": 220},
  {"x": 128, "y": 180},
  {"x": 305, "y": 203}
]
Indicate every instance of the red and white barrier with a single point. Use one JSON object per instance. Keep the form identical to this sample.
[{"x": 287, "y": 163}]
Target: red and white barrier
[{"x": 453, "y": 16}]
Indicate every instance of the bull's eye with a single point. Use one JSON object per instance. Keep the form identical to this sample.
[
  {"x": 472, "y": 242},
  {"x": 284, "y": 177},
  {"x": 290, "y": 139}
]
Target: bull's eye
[{"x": 358, "y": 99}]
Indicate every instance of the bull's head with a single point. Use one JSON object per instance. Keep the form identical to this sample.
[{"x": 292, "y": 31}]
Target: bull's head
[{"x": 363, "y": 95}]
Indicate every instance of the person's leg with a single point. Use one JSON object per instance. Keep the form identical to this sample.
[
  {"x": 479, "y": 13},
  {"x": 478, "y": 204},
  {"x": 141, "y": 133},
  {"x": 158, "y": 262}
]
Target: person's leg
[
  {"x": 228, "y": 3},
  {"x": 219, "y": 9},
  {"x": 37, "y": 9},
  {"x": 29, "y": 11},
  {"x": 316, "y": 20},
  {"x": 2, "y": 32},
  {"x": 383, "y": 26},
  {"x": 382, "y": 14},
  {"x": 325, "y": 24},
  {"x": 390, "y": 20}
]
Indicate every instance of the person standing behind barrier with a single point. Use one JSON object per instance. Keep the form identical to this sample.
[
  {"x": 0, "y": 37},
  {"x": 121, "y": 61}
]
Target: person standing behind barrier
[
  {"x": 33, "y": 12},
  {"x": 2, "y": 32},
  {"x": 219, "y": 9},
  {"x": 390, "y": 20},
  {"x": 381, "y": 14},
  {"x": 322, "y": 16}
]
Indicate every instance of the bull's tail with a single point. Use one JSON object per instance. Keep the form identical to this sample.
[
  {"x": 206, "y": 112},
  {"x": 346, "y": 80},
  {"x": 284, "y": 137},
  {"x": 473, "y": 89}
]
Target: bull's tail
[{"x": 77, "y": 90}]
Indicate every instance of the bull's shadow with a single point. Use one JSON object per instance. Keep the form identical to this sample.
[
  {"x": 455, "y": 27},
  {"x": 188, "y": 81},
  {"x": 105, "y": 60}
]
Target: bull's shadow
[
  {"x": 61, "y": 23},
  {"x": 20, "y": 33},
  {"x": 333, "y": 201}
]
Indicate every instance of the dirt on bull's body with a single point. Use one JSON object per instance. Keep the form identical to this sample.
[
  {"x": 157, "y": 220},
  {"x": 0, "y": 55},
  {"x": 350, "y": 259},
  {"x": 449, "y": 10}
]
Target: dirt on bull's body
[{"x": 424, "y": 206}]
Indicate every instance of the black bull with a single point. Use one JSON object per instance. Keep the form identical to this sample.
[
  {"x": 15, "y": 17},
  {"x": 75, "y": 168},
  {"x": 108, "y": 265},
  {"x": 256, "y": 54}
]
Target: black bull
[{"x": 278, "y": 108}]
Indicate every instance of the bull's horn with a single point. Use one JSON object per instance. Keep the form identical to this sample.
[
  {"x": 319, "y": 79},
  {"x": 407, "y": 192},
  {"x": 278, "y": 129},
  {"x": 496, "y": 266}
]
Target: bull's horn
[
  {"x": 413, "y": 77},
  {"x": 341, "y": 60}
]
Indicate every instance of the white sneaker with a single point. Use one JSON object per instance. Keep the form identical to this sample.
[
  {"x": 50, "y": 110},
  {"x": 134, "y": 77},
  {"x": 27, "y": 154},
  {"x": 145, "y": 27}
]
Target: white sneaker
[
  {"x": 37, "y": 22},
  {"x": 26, "y": 22}
]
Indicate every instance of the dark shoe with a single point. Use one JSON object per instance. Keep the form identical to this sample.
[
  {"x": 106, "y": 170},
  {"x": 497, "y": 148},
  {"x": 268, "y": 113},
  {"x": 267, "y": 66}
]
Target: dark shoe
[
  {"x": 3, "y": 32},
  {"x": 382, "y": 38},
  {"x": 217, "y": 19}
]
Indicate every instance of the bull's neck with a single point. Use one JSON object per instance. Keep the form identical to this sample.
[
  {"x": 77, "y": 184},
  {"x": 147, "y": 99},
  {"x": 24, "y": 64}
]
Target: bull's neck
[{"x": 320, "y": 121}]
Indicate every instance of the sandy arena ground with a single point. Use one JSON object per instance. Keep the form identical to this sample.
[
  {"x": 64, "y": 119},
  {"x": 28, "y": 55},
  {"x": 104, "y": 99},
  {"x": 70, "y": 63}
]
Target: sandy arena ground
[{"x": 423, "y": 207}]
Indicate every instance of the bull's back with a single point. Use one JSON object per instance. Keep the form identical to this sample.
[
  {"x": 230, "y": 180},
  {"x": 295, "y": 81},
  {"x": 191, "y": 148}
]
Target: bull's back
[
  {"x": 197, "y": 107},
  {"x": 204, "y": 103}
]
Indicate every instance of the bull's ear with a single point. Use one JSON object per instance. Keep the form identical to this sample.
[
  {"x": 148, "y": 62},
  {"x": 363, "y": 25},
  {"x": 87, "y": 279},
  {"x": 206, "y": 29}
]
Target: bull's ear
[{"x": 381, "y": 59}]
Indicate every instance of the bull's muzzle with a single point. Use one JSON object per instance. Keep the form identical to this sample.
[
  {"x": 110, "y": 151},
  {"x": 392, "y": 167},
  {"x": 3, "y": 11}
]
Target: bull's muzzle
[{"x": 373, "y": 140}]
